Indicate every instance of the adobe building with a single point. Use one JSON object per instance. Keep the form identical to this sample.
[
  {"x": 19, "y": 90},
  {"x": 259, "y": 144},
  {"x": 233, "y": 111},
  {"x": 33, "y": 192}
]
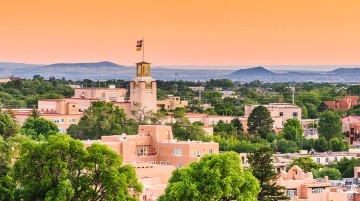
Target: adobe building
[
  {"x": 171, "y": 103},
  {"x": 155, "y": 144},
  {"x": 347, "y": 121},
  {"x": 280, "y": 112},
  {"x": 155, "y": 154},
  {"x": 343, "y": 104},
  {"x": 110, "y": 94}
]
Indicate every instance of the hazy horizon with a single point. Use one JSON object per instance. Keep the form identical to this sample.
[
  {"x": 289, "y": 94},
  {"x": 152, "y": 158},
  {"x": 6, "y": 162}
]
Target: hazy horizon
[{"x": 222, "y": 67}]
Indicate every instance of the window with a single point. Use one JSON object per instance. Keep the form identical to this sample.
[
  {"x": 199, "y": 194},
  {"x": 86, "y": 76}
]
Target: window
[
  {"x": 61, "y": 130},
  {"x": 71, "y": 120},
  {"x": 295, "y": 114},
  {"x": 161, "y": 162},
  {"x": 167, "y": 162},
  {"x": 326, "y": 160},
  {"x": 152, "y": 162},
  {"x": 316, "y": 190},
  {"x": 281, "y": 114},
  {"x": 210, "y": 151},
  {"x": 335, "y": 159},
  {"x": 179, "y": 165},
  {"x": 58, "y": 120},
  {"x": 291, "y": 192},
  {"x": 197, "y": 152},
  {"x": 143, "y": 151},
  {"x": 177, "y": 152},
  {"x": 318, "y": 160}
]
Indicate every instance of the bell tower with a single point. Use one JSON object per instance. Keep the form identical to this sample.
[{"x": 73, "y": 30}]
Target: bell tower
[{"x": 143, "y": 88}]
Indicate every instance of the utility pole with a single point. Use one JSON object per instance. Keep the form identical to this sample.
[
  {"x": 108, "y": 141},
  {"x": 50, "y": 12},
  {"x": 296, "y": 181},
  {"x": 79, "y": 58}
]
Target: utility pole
[{"x": 293, "y": 95}]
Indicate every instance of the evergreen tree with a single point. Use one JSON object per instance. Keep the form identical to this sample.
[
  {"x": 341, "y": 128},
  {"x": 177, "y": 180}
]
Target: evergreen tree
[
  {"x": 260, "y": 121},
  {"x": 262, "y": 168}
]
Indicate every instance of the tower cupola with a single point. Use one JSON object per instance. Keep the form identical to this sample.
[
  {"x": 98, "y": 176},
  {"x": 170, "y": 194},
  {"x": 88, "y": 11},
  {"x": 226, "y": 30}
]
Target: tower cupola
[{"x": 143, "y": 69}]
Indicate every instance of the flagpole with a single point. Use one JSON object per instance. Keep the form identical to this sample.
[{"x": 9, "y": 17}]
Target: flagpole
[{"x": 143, "y": 49}]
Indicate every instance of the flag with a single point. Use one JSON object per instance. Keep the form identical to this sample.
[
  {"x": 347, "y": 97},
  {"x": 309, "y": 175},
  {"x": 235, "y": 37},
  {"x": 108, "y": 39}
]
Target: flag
[{"x": 139, "y": 45}]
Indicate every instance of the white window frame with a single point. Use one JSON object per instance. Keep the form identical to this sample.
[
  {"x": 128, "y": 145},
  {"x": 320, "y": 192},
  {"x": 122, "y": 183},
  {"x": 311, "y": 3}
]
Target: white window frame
[
  {"x": 177, "y": 152},
  {"x": 197, "y": 153}
]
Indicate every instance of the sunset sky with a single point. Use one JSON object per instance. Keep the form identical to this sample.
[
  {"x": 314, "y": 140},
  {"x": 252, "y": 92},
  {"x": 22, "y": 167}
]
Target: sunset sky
[{"x": 182, "y": 32}]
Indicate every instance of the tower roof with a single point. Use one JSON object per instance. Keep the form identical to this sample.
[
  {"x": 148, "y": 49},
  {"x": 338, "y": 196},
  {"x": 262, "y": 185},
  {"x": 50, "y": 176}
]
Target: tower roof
[{"x": 143, "y": 62}]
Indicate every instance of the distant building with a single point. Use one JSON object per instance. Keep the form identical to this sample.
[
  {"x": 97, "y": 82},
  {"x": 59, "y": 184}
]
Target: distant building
[
  {"x": 197, "y": 88},
  {"x": 171, "y": 103},
  {"x": 343, "y": 104},
  {"x": 155, "y": 144},
  {"x": 280, "y": 112},
  {"x": 110, "y": 94},
  {"x": 347, "y": 121}
]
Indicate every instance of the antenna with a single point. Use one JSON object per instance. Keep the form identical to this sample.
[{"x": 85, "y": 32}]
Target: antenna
[{"x": 293, "y": 95}]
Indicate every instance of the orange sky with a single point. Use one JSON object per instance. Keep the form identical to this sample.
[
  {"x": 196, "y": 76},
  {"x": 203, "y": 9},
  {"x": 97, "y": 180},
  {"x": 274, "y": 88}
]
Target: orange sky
[{"x": 181, "y": 32}]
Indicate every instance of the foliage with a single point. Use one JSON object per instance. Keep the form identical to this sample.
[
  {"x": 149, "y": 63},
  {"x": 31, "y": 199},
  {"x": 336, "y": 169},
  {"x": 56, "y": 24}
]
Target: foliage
[
  {"x": 99, "y": 119},
  {"x": 332, "y": 173},
  {"x": 210, "y": 179},
  {"x": 8, "y": 125},
  {"x": 285, "y": 146},
  {"x": 226, "y": 128},
  {"x": 61, "y": 169},
  {"x": 292, "y": 130},
  {"x": 306, "y": 163},
  {"x": 261, "y": 166},
  {"x": 36, "y": 127},
  {"x": 329, "y": 125},
  {"x": 346, "y": 166},
  {"x": 145, "y": 116},
  {"x": 239, "y": 146},
  {"x": 338, "y": 144},
  {"x": 322, "y": 145},
  {"x": 260, "y": 121}
]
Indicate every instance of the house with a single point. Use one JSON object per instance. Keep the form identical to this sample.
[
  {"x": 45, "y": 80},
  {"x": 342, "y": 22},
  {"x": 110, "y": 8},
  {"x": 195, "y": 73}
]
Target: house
[{"x": 343, "y": 104}]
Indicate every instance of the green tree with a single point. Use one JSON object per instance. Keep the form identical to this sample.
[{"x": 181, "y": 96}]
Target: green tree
[
  {"x": 292, "y": 130},
  {"x": 260, "y": 121},
  {"x": 99, "y": 119},
  {"x": 322, "y": 145},
  {"x": 210, "y": 179},
  {"x": 8, "y": 125},
  {"x": 61, "y": 169},
  {"x": 6, "y": 182},
  {"x": 329, "y": 125},
  {"x": 261, "y": 166},
  {"x": 36, "y": 127},
  {"x": 346, "y": 166},
  {"x": 338, "y": 144},
  {"x": 238, "y": 125},
  {"x": 306, "y": 164},
  {"x": 332, "y": 173}
]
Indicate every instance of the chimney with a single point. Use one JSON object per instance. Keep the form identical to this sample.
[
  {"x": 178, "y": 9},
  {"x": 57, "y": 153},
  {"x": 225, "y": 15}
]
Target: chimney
[{"x": 326, "y": 179}]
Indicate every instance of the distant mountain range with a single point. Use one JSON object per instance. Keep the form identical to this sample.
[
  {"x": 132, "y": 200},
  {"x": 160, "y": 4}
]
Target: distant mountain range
[
  {"x": 97, "y": 65},
  {"x": 107, "y": 70},
  {"x": 256, "y": 71},
  {"x": 345, "y": 71}
]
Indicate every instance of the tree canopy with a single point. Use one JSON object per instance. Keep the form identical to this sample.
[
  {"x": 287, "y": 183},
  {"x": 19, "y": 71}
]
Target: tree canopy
[
  {"x": 260, "y": 121},
  {"x": 292, "y": 130},
  {"x": 329, "y": 125},
  {"x": 36, "y": 127},
  {"x": 261, "y": 166},
  {"x": 101, "y": 118},
  {"x": 210, "y": 179},
  {"x": 306, "y": 164},
  {"x": 61, "y": 169},
  {"x": 8, "y": 125}
]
